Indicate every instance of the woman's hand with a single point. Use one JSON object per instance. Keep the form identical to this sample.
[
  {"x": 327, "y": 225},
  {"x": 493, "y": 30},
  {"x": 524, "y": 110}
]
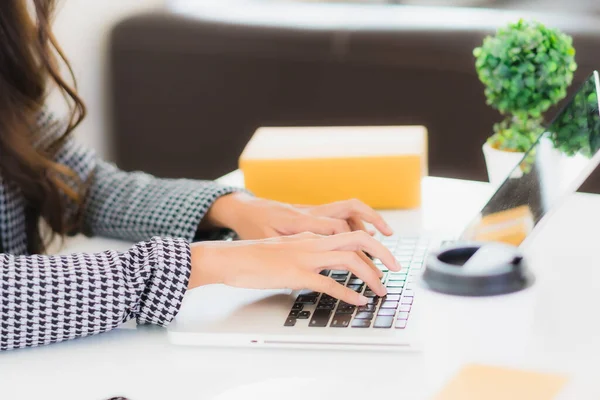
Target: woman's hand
[
  {"x": 292, "y": 262},
  {"x": 255, "y": 218}
]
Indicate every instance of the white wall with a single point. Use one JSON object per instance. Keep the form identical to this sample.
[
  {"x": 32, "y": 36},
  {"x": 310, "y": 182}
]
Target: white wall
[{"x": 82, "y": 27}]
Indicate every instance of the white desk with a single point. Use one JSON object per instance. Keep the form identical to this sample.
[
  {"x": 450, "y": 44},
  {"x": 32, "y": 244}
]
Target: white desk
[{"x": 554, "y": 326}]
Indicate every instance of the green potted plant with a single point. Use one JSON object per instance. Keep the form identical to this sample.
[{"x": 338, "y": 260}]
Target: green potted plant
[{"x": 526, "y": 68}]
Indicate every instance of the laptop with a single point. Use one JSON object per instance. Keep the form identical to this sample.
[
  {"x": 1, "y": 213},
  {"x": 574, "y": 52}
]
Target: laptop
[{"x": 555, "y": 166}]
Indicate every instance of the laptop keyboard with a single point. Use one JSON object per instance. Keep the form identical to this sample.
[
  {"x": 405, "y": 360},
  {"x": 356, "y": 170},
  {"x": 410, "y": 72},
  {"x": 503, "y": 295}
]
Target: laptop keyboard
[{"x": 390, "y": 311}]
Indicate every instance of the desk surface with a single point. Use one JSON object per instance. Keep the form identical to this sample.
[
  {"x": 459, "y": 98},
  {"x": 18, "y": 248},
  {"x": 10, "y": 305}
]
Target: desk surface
[{"x": 552, "y": 326}]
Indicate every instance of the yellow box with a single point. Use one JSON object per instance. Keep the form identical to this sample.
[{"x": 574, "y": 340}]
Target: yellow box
[{"x": 380, "y": 165}]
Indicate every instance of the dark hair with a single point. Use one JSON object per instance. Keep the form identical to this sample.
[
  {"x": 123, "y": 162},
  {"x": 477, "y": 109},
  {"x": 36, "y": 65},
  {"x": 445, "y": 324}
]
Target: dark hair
[{"x": 28, "y": 70}]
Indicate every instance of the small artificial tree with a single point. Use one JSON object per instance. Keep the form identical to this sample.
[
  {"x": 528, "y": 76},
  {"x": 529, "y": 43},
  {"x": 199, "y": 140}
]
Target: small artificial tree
[{"x": 526, "y": 68}]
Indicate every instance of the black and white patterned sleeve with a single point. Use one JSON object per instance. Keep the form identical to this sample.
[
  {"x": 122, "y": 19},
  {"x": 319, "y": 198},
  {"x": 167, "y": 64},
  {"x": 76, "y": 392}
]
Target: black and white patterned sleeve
[
  {"x": 48, "y": 299},
  {"x": 135, "y": 205}
]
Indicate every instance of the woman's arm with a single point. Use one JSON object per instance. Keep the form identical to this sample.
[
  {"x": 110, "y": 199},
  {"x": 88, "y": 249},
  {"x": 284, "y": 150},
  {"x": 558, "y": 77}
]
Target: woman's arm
[
  {"x": 136, "y": 206},
  {"x": 48, "y": 299}
]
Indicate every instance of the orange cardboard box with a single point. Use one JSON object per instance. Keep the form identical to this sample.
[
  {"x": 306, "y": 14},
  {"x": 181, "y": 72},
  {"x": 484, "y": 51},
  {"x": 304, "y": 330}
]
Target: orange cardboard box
[{"x": 380, "y": 165}]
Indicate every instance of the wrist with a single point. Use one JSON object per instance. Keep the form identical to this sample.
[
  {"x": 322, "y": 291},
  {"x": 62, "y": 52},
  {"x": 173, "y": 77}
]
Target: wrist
[
  {"x": 227, "y": 210},
  {"x": 203, "y": 271}
]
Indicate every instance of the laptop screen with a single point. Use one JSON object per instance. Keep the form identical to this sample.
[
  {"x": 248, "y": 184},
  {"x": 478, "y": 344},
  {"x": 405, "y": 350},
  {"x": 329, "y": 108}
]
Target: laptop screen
[{"x": 556, "y": 165}]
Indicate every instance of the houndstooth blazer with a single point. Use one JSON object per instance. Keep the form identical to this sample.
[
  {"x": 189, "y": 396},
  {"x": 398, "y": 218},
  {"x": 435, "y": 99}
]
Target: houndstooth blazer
[{"x": 47, "y": 299}]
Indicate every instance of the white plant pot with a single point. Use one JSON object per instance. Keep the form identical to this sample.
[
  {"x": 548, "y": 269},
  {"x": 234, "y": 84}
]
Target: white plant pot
[{"x": 500, "y": 163}]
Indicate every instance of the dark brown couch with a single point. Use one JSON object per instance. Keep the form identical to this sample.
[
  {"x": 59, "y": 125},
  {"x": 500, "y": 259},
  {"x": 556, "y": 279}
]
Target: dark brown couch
[{"x": 187, "y": 91}]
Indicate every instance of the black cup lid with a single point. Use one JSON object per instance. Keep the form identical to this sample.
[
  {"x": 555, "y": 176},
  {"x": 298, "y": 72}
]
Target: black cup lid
[{"x": 477, "y": 269}]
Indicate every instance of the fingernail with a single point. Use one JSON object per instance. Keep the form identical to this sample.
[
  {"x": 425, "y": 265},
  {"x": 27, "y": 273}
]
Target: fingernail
[
  {"x": 362, "y": 300},
  {"x": 383, "y": 291}
]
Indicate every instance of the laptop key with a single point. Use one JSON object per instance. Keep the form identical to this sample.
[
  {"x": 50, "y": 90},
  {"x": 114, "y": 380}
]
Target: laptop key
[
  {"x": 406, "y": 300},
  {"x": 339, "y": 272},
  {"x": 401, "y": 324},
  {"x": 320, "y": 318},
  {"x": 373, "y": 300},
  {"x": 369, "y": 293},
  {"x": 383, "y": 322},
  {"x": 367, "y": 308},
  {"x": 364, "y": 315},
  {"x": 405, "y": 307},
  {"x": 290, "y": 321},
  {"x": 327, "y": 299},
  {"x": 298, "y": 306},
  {"x": 392, "y": 297},
  {"x": 306, "y": 299},
  {"x": 389, "y": 304},
  {"x": 395, "y": 284},
  {"x": 294, "y": 314},
  {"x": 390, "y": 312},
  {"x": 325, "y": 306},
  {"x": 341, "y": 321},
  {"x": 332, "y": 302},
  {"x": 356, "y": 288},
  {"x": 304, "y": 315},
  {"x": 394, "y": 290},
  {"x": 406, "y": 246},
  {"x": 361, "y": 323},
  {"x": 355, "y": 281},
  {"x": 324, "y": 272},
  {"x": 403, "y": 315},
  {"x": 346, "y": 309}
]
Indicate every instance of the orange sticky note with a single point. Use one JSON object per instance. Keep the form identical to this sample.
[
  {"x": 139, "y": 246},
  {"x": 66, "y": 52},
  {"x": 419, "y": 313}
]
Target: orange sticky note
[{"x": 477, "y": 382}]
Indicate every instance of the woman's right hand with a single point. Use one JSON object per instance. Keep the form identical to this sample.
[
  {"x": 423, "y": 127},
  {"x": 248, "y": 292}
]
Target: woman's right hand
[{"x": 293, "y": 262}]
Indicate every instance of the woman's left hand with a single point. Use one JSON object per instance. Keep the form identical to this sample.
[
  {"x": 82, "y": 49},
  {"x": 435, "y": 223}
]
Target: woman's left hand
[{"x": 255, "y": 218}]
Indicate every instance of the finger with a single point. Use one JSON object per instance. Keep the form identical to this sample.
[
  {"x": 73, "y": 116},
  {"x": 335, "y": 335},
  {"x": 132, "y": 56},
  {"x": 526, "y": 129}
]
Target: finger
[
  {"x": 370, "y": 263},
  {"x": 356, "y": 224},
  {"x": 356, "y": 208},
  {"x": 355, "y": 241},
  {"x": 301, "y": 236},
  {"x": 339, "y": 225},
  {"x": 351, "y": 261},
  {"x": 323, "y": 225},
  {"x": 271, "y": 234},
  {"x": 366, "y": 213},
  {"x": 326, "y": 285}
]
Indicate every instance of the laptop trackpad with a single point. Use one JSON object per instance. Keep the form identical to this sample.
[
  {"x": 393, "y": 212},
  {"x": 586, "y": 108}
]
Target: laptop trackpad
[{"x": 220, "y": 307}]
